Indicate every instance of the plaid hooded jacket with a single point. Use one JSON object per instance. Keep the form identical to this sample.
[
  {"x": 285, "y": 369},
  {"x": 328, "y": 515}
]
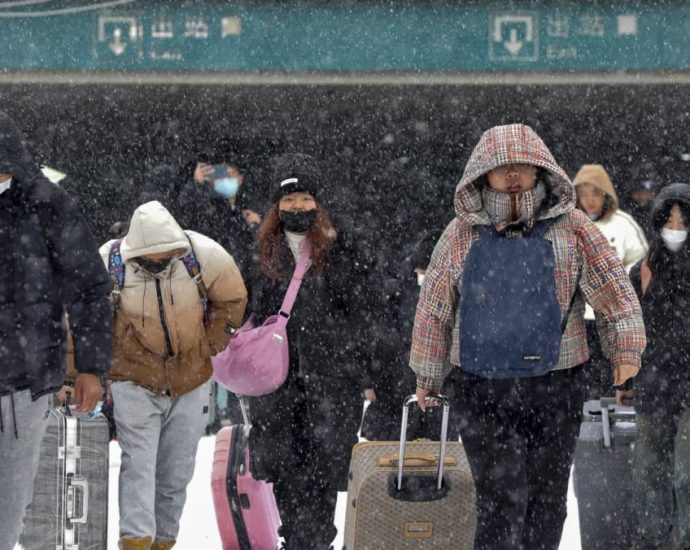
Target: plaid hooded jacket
[{"x": 581, "y": 251}]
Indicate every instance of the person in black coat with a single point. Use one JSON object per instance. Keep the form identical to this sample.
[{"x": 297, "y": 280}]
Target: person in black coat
[
  {"x": 394, "y": 380},
  {"x": 662, "y": 387},
  {"x": 303, "y": 433},
  {"x": 51, "y": 264},
  {"x": 216, "y": 204}
]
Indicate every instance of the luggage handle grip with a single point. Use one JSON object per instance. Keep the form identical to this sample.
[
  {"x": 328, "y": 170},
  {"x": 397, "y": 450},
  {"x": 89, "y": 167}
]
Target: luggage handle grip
[
  {"x": 83, "y": 484},
  {"x": 414, "y": 459},
  {"x": 442, "y": 400}
]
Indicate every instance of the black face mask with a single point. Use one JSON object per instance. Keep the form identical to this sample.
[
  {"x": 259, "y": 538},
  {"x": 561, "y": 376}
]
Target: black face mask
[
  {"x": 154, "y": 267},
  {"x": 298, "y": 222}
]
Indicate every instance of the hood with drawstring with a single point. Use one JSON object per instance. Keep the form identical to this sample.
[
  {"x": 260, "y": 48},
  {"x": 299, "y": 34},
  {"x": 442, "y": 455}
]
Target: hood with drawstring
[
  {"x": 152, "y": 230},
  {"x": 161, "y": 340},
  {"x": 583, "y": 257}
]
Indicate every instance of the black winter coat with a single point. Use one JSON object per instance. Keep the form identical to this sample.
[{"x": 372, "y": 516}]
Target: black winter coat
[
  {"x": 330, "y": 324},
  {"x": 664, "y": 379},
  {"x": 394, "y": 380},
  {"x": 202, "y": 210},
  {"x": 308, "y": 426},
  {"x": 51, "y": 265}
]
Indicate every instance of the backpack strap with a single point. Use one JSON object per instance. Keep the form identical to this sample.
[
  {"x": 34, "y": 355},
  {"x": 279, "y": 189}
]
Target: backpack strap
[
  {"x": 537, "y": 232},
  {"x": 541, "y": 227},
  {"x": 193, "y": 267},
  {"x": 116, "y": 268}
]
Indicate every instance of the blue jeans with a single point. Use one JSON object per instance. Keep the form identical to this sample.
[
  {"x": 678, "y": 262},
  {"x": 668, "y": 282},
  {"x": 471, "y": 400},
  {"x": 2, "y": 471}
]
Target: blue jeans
[{"x": 662, "y": 466}]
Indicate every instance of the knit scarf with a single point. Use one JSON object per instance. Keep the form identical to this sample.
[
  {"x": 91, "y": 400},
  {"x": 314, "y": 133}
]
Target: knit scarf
[{"x": 506, "y": 209}]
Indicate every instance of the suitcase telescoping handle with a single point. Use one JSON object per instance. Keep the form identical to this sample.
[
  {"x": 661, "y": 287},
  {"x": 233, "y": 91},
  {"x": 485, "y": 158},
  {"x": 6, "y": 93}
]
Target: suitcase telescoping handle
[
  {"x": 608, "y": 412},
  {"x": 441, "y": 400}
]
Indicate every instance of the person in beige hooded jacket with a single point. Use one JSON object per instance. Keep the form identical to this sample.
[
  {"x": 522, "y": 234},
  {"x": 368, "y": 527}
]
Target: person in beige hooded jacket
[
  {"x": 597, "y": 198},
  {"x": 163, "y": 342}
]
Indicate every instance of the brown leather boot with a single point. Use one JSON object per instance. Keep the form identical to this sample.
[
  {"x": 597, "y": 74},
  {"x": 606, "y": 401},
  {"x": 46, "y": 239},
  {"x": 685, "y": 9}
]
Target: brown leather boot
[
  {"x": 143, "y": 543},
  {"x": 163, "y": 544}
]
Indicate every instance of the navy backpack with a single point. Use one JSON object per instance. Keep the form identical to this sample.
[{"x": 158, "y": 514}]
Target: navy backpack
[{"x": 510, "y": 318}]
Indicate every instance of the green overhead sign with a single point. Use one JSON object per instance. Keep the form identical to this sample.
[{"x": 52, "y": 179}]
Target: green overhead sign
[{"x": 80, "y": 35}]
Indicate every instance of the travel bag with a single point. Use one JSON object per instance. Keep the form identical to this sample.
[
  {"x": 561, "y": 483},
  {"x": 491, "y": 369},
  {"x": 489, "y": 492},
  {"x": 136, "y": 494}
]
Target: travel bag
[
  {"x": 246, "y": 509},
  {"x": 602, "y": 475},
  {"x": 427, "y": 501},
  {"x": 69, "y": 509}
]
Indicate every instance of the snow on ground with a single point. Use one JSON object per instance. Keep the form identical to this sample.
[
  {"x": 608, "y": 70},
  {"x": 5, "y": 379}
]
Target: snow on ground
[{"x": 198, "y": 530}]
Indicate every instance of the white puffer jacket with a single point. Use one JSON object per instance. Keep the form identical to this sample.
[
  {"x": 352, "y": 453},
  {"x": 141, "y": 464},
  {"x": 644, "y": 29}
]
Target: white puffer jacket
[{"x": 619, "y": 228}]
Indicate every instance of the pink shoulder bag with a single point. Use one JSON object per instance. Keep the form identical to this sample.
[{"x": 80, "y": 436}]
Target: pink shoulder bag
[{"x": 257, "y": 359}]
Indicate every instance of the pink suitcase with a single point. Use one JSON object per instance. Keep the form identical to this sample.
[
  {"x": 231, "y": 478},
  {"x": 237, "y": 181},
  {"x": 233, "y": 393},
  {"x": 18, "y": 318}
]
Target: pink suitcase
[{"x": 246, "y": 509}]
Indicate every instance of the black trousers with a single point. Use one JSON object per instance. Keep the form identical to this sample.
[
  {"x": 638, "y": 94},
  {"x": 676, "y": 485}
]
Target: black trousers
[
  {"x": 520, "y": 436},
  {"x": 598, "y": 373},
  {"x": 301, "y": 440}
]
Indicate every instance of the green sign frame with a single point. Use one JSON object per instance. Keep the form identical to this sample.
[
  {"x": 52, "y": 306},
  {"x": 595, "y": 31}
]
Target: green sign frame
[{"x": 325, "y": 37}]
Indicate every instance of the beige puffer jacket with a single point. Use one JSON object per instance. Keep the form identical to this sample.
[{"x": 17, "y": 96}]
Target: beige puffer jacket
[{"x": 160, "y": 340}]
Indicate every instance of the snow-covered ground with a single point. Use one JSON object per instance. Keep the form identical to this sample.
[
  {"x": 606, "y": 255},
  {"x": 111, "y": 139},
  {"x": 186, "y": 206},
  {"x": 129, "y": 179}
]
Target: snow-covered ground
[{"x": 198, "y": 527}]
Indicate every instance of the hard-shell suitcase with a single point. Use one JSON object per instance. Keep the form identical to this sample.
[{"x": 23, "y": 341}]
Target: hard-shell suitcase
[
  {"x": 246, "y": 509},
  {"x": 69, "y": 510},
  {"x": 427, "y": 501},
  {"x": 603, "y": 476}
]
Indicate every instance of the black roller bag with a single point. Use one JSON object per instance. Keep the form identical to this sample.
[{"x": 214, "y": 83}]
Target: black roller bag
[{"x": 603, "y": 475}]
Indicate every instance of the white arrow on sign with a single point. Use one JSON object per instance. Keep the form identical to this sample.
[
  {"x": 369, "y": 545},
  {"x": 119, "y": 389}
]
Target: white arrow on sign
[
  {"x": 513, "y": 45},
  {"x": 121, "y": 35},
  {"x": 117, "y": 46}
]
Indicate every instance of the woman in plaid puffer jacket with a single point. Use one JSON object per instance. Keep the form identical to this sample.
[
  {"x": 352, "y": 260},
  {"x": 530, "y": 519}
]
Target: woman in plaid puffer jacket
[{"x": 520, "y": 431}]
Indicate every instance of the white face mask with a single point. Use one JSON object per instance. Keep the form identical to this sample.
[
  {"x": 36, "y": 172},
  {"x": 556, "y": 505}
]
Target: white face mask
[
  {"x": 420, "y": 278},
  {"x": 5, "y": 185},
  {"x": 673, "y": 238}
]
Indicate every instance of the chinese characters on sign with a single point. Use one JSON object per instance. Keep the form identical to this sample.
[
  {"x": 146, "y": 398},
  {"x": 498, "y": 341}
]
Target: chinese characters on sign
[
  {"x": 121, "y": 38},
  {"x": 516, "y": 37}
]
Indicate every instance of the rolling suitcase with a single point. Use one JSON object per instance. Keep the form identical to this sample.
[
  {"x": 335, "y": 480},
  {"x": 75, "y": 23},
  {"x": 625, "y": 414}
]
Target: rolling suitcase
[
  {"x": 426, "y": 501},
  {"x": 602, "y": 476},
  {"x": 246, "y": 510},
  {"x": 69, "y": 509},
  {"x": 223, "y": 409}
]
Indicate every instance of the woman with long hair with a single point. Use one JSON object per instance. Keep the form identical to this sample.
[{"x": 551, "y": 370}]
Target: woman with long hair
[
  {"x": 303, "y": 433},
  {"x": 662, "y": 388}
]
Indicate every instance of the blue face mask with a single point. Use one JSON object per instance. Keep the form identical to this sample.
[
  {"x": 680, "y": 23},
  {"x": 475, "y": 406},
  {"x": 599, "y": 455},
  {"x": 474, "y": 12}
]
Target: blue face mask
[{"x": 226, "y": 187}]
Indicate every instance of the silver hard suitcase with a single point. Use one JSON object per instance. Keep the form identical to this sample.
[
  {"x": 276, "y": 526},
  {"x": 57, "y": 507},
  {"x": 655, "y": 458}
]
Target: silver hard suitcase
[{"x": 69, "y": 509}]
